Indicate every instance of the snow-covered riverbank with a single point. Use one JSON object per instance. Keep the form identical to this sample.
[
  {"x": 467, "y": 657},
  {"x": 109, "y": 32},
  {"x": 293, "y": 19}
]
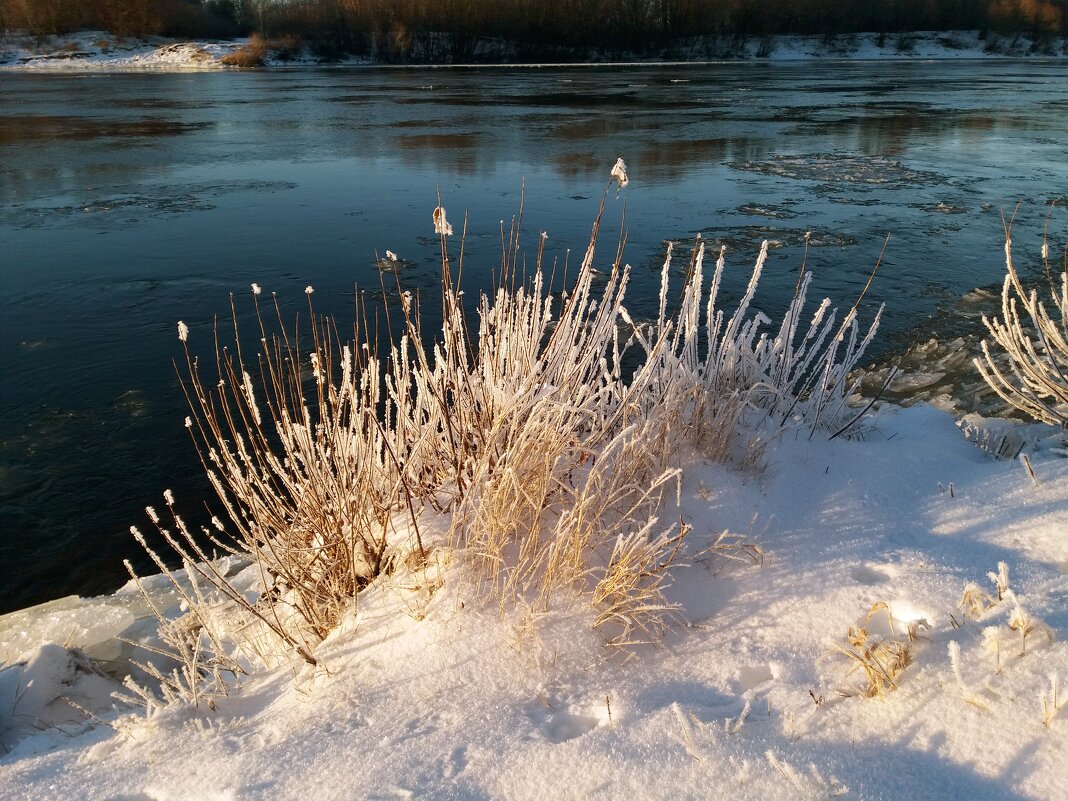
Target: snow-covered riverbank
[
  {"x": 750, "y": 695},
  {"x": 95, "y": 50}
]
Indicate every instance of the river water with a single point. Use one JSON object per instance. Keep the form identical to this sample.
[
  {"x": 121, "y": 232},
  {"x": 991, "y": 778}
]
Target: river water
[{"x": 129, "y": 201}]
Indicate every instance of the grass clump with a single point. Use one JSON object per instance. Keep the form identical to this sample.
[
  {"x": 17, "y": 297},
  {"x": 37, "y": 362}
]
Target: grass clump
[
  {"x": 1032, "y": 335},
  {"x": 519, "y": 446},
  {"x": 880, "y": 661}
]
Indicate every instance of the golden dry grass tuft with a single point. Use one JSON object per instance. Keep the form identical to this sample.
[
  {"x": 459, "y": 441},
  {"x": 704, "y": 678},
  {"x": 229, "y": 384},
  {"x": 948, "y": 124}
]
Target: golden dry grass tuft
[{"x": 879, "y": 661}]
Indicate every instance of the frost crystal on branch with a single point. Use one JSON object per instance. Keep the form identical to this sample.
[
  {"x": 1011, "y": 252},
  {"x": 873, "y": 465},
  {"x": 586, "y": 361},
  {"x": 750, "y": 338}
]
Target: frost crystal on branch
[
  {"x": 619, "y": 173},
  {"x": 183, "y": 331}
]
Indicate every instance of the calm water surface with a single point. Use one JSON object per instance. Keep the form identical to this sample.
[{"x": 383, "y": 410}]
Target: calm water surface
[{"x": 130, "y": 201}]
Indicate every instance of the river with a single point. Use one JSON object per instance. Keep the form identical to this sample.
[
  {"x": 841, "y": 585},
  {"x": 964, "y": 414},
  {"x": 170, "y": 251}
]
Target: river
[{"x": 129, "y": 201}]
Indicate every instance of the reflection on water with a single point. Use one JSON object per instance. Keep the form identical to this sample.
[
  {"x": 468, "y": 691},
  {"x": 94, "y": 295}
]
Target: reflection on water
[
  {"x": 29, "y": 128},
  {"x": 438, "y": 141},
  {"x": 888, "y": 129},
  {"x": 129, "y": 201}
]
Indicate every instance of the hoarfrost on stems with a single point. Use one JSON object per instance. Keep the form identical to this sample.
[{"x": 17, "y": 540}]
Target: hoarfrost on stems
[
  {"x": 256, "y": 289},
  {"x": 250, "y": 396},
  {"x": 1032, "y": 338},
  {"x": 391, "y": 256},
  {"x": 308, "y": 289},
  {"x": 441, "y": 225},
  {"x": 619, "y": 173},
  {"x": 183, "y": 331},
  {"x": 168, "y": 496}
]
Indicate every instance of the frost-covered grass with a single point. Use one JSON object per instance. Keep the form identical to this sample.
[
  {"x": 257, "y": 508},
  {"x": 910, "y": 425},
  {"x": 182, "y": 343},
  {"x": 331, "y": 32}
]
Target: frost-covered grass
[
  {"x": 520, "y": 449},
  {"x": 1031, "y": 335}
]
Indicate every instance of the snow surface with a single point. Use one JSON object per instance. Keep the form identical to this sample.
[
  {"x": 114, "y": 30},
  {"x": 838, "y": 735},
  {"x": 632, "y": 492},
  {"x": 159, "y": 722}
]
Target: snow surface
[
  {"x": 97, "y": 50},
  {"x": 448, "y": 699}
]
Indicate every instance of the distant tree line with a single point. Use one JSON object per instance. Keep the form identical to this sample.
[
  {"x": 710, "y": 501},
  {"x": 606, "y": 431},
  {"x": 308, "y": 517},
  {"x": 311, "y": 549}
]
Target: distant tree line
[
  {"x": 610, "y": 25},
  {"x": 211, "y": 18}
]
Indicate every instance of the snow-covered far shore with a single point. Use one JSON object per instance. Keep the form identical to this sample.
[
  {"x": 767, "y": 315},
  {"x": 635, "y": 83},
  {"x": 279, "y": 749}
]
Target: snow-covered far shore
[
  {"x": 753, "y": 695},
  {"x": 95, "y": 50}
]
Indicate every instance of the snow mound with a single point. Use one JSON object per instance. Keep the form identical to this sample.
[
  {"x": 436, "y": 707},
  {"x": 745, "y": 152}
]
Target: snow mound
[
  {"x": 51, "y": 691},
  {"x": 443, "y": 698}
]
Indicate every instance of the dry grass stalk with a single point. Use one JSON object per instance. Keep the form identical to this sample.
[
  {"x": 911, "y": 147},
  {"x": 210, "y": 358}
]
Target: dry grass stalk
[
  {"x": 974, "y": 602},
  {"x": 967, "y": 693},
  {"x": 992, "y": 640},
  {"x": 729, "y": 547},
  {"x": 810, "y": 785},
  {"x": 1030, "y": 470},
  {"x": 687, "y": 721},
  {"x": 734, "y": 726},
  {"x": 1051, "y": 704},
  {"x": 1020, "y": 621},
  {"x": 1000, "y": 580}
]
